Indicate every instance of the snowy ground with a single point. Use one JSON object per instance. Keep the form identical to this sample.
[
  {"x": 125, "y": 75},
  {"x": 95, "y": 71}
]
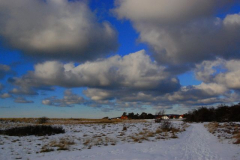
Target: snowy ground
[{"x": 110, "y": 141}]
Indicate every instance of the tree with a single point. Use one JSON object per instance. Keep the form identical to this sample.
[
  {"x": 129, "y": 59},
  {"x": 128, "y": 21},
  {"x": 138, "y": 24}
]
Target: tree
[
  {"x": 131, "y": 115},
  {"x": 124, "y": 114},
  {"x": 143, "y": 115},
  {"x": 160, "y": 113}
]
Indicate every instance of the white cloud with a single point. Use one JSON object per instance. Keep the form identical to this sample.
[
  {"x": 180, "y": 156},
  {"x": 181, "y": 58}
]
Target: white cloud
[
  {"x": 190, "y": 96},
  {"x": 47, "y": 102},
  {"x": 203, "y": 94},
  {"x": 55, "y": 29},
  {"x": 99, "y": 94},
  {"x": 164, "y": 11},
  {"x": 69, "y": 99},
  {"x": 183, "y": 32},
  {"x": 212, "y": 89},
  {"x": 232, "y": 19},
  {"x": 222, "y": 72},
  {"x": 133, "y": 71},
  {"x": 5, "y": 95}
]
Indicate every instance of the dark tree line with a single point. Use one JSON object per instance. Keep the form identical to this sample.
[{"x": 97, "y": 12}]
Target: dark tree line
[
  {"x": 222, "y": 113},
  {"x": 143, "y": 115}
]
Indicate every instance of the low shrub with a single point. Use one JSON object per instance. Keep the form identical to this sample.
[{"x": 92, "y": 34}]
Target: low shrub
[
  {"x": 124, "y": 128},
  {"x": 38, "y": 130},
  {"x": 166, "y": 125}
]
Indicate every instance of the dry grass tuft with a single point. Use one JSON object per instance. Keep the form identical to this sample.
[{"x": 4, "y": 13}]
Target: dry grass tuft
[
  {"x": 212, "y": 127},
  {"x": 46, "y": 149},
  {"x": 124, "y": 128},
  {"x": 62, "y": 143},
  {"x": 227, "y": 130},
  {"x": 237, "y": 136}
]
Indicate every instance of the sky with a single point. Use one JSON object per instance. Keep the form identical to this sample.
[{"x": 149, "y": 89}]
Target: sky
[{"x": 97, "y": 58}]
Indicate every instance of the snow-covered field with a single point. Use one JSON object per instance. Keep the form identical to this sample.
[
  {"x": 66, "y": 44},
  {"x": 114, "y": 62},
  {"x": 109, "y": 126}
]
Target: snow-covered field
[{"x": 121, "y": 141}]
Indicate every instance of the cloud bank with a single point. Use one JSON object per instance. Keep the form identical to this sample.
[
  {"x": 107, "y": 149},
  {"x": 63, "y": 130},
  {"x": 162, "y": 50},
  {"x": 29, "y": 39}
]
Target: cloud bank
[
  {"x": 184, "y": 32},
  {"x": 183, "y": 35},
  {"x": 58, "y": 29},
  {"x": 135, "y": 71}
]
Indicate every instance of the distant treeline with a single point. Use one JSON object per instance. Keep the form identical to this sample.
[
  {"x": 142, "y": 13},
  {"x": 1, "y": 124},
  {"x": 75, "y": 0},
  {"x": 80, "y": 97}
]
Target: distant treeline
[
  {"x": 222, "y": 113},
  {"x": 139, "y": 116}
]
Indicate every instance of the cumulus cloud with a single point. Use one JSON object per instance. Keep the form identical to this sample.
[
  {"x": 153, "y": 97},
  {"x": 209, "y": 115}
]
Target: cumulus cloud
[
  {"x": 190, "y": 96},
  {"x": 56, "y": 29},
  {"x": 224, "y": 72},
  {"x": 22, "y": 100},
  {"x": 134, "y": 81},
  {"x": 69, "y": 99},
  {"x": 183, "y": 32},
  {"x": 123, "y": 95},
  {"x": 5, "y": 95},
  {"x": 165, "y": 11},
  {"x": 135, "y": 71},
  {"x": 204, "y": 94}
]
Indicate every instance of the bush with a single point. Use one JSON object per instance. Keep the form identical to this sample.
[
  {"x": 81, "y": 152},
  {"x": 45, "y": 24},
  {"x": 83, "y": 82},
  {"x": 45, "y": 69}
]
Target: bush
[
  {"x": 42, "y": 120},
  {"x": 124, "y": 128},
  {"x": 166, "y": 125},
  {"x": 33, "y": 130}
]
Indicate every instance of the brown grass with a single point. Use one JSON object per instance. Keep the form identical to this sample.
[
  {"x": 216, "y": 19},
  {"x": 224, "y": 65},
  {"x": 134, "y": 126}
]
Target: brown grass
[
  {"x": 46, "y": 149},
  {"x": 237, "y": 136},
  {"x": 87, "y": 142},
  {"x": 212, "y": 127},
  {"x": 61, "y": 144},
  {"x": 231, "y": 129},
  {"x": 63, "y": 120}
]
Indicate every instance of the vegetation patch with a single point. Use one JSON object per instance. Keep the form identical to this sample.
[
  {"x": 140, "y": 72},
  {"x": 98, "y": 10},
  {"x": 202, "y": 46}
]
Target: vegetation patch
[
  {"x": 38, "y": 130},
  {"x": 227, "y": 130},
  {"x": 46, "y": 150}
]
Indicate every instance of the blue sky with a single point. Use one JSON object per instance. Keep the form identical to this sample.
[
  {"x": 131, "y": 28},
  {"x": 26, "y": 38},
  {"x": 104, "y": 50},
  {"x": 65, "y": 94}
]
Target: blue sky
[{"x": 94, "y": 58}]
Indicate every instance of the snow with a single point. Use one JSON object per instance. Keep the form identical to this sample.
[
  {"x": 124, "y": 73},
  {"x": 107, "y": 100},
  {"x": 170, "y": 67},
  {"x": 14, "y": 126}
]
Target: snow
[{"x": 196, "y": 143}]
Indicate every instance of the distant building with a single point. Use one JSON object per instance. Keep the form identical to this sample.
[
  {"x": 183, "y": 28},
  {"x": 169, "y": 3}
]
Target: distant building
[
  {"x": 181, "y": 117},
  {"x": 165, "y": 117},
  {"x": 124, "y": 117}
]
